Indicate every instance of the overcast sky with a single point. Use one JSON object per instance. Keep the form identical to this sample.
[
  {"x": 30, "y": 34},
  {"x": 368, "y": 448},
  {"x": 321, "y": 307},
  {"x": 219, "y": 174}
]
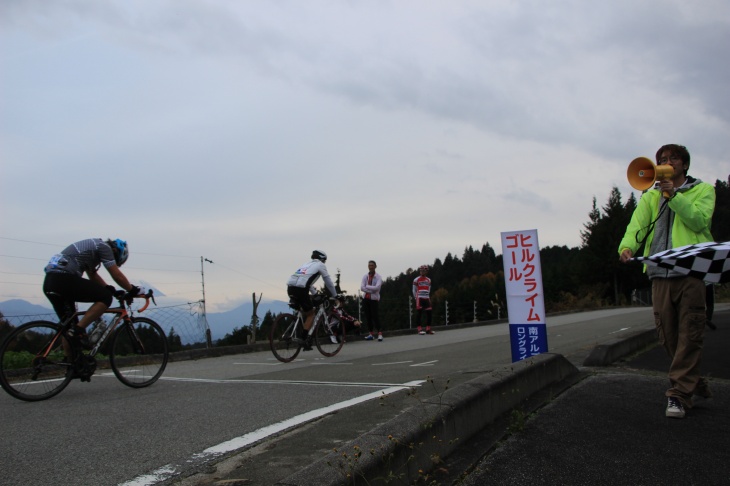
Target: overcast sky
[{"x": 251, "y": 133}]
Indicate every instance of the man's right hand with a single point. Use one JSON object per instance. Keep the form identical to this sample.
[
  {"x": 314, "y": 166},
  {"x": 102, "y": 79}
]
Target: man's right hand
[
  {"x": 135, "y": 291},
  {"x": 626, "y": 255}
]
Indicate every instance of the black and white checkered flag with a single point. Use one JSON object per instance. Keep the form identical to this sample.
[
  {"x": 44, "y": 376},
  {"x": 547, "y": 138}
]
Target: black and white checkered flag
[{"x": 706, "y": 261}]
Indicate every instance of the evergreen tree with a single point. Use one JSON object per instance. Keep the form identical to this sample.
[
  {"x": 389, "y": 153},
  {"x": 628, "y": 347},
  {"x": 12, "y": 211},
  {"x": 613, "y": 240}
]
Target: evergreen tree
[
  {"x": 5, "y": 327},
  {"x": 264, "y": 328},
  {"x": 236, "y": 337},
  {"x": 721, "y": 216},
  {"x": 599, "y": 270},
  {"x": 174, "y": 342}
]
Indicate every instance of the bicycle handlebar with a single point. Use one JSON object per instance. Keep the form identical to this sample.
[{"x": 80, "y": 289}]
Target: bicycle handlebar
[{"x": 124, "y": 297}]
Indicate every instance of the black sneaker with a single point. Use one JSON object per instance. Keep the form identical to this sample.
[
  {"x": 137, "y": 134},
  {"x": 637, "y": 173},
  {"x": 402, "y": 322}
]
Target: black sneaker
[
  {"x": 303, "y": 339},
  {"x": 674, "y": 408},
  {"x": 79, "y": 338},
  {"x": 307, "y": 346}
]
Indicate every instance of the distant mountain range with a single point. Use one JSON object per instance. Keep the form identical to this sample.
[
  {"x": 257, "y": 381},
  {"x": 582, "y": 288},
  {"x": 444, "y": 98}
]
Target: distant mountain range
[
  {"x": 220, "y": 323},
  {"x": 19, "y": 307}
]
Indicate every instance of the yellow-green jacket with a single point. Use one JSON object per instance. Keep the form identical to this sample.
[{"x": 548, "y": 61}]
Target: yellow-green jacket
[{"x": 693, "y": 205}]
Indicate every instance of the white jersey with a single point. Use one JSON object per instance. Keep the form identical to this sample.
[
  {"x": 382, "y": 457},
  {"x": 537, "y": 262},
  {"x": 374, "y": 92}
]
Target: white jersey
[{"x": 307, "y": 274}]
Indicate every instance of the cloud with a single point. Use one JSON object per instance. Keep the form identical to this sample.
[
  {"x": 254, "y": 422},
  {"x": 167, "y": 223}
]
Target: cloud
[{"x": 252, "y": 133}]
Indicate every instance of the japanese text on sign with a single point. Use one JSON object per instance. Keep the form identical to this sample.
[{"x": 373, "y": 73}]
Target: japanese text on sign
[
  {"x": 523, "y": 276},
  {"x": 525, "y": 299}
]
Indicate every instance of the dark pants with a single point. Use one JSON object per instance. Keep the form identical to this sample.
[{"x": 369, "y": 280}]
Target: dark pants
[
  {"x": 63, "y": 290},
  {"x": 679, "y": 315},
  {"x": 301, "y": 297},
  {"x": 371, "y": 314},
  {"x": 710, "y": 301},
  {"x": 421, "y": 306}
]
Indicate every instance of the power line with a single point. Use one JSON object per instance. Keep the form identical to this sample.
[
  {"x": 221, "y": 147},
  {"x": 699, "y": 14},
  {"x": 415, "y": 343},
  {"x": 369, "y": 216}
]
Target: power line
[
  {"x": 58, "y": 245},
  {"x": 158, "y": 269},
  {"x": 249, "y": 276},
  {"x": 28, "y": 241},
  {"x": 25, "y": 258}
]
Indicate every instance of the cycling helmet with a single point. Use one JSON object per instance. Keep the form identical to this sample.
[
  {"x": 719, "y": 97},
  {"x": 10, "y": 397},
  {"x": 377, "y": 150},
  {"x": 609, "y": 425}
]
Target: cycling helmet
[
  {"x": 319, "y": 255},
  {"x": 120, "y": 250}
]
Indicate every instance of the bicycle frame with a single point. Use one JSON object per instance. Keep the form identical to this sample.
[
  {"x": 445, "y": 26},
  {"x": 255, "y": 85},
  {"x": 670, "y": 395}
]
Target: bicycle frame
[
  {"x": 283, "y": 335},
  {"x": 315, "y": 320},
  {"x": 123, "y": 313},
  {"x": 39, "y": 358}
]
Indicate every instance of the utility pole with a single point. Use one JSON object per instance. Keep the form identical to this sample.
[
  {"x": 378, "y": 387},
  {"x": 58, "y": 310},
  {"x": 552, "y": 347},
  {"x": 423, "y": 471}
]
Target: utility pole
[{"x": 208, "y": 338}]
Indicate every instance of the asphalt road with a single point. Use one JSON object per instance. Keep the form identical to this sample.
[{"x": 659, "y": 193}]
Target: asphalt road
[{"x": 103, "y": 433}]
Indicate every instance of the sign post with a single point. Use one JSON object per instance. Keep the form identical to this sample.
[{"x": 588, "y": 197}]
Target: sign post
[{"x": 525, "y": 297}]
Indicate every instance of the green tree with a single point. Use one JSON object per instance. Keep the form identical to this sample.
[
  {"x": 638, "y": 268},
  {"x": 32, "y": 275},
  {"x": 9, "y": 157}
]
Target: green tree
[
  {"x": 721, "y": 216},
  {"x": 601, "y": 274},
  {"x": 236, "y": 337},
  {"x": 174, "y": 342},
  {"x": 5, "y": 327},
  {"x": 265, "y": 326}
]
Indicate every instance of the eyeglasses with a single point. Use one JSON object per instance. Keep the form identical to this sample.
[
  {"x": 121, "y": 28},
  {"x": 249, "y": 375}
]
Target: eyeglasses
[{"x": 673, "y": 158}]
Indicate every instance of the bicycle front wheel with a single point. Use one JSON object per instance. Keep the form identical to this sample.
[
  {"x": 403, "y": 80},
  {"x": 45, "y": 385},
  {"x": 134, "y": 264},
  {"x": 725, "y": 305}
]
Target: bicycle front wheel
[
  {"x": 329, "y": 338},
  {"x": 281, "y": 339},
  {"x": 139, "y": 352},
  {"x": 32, "y": 362}
]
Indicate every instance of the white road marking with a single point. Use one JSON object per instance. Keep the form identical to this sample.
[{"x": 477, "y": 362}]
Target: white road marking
[
  {"x": 284, "y": 382},
  {"x": 392, "y": 363},
  {"x": 264, "y": 364},
  {"x": 171, "y": 470},
  {"x": 620, "y": 330},
  {"x": 427, "y": 363}
]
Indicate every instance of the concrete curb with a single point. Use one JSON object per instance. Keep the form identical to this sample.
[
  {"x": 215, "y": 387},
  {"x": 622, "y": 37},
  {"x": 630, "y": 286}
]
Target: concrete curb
[
  {"x": 434, "y": 428},
  {"x": 605, "y": 354}
]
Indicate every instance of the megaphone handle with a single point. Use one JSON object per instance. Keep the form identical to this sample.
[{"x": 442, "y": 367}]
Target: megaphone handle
[{"x": 667, "y": 195}]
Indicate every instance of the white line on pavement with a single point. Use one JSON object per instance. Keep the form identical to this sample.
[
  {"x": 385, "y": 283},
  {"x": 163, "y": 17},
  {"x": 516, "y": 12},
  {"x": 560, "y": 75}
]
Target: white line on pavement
[
  {"x": 427, "y": 363},
  {"x": 285, "y": 382},
  {"x": 171, "y": 470}
]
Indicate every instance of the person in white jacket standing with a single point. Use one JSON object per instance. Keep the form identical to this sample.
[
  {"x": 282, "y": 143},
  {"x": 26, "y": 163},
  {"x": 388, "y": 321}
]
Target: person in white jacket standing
[{"x": 370, "y": 286}]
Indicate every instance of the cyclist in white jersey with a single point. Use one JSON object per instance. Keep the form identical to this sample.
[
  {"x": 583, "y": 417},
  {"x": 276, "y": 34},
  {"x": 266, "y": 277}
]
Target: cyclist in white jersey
[
  {"x": 64, "y": 284},
  {"x": 300, "y": 285}
]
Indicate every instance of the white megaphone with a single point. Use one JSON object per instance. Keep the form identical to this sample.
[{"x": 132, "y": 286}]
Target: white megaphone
[{"x": 642, "y": 174}]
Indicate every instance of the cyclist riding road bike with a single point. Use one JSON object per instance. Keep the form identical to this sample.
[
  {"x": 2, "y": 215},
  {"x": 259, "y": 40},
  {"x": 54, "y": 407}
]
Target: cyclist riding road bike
[
  {"x": 64, "y": 284},
  {"x": 300, "y": 287}
]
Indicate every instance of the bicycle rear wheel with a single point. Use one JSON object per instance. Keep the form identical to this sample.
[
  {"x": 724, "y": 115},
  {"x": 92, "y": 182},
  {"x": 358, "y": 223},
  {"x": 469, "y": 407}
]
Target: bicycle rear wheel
[
  {"x": 32, "y": 365},
  {"x": 281, "y": 339},
  {"x": 329, "y": 338},
  {"x": 139, "y": 352}
]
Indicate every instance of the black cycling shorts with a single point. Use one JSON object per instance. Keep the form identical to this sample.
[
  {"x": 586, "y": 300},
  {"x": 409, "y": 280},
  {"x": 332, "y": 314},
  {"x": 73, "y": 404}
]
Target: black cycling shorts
[
  {"x": 64, "y": 290},
  {"x": 301, "y": 297}
]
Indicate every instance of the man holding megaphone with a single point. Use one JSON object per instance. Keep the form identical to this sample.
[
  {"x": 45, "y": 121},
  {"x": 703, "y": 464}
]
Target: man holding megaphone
[{"x": 676, "y": 212}]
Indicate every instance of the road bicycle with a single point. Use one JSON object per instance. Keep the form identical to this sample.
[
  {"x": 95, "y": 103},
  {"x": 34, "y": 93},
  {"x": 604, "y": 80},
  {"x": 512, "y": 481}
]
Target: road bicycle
[
  {"x": 328, "y": 334},
  {"x": 35, "y": 363}
]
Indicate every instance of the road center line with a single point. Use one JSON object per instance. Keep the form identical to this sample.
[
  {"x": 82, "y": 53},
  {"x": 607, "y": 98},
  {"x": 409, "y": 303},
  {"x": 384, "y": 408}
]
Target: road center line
[
  {"x": 171, "y": 470},
  {"x": 427, "y": 363},
  {"x": 288, "y": 382},
  {"x": 620, "y": 330}
]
